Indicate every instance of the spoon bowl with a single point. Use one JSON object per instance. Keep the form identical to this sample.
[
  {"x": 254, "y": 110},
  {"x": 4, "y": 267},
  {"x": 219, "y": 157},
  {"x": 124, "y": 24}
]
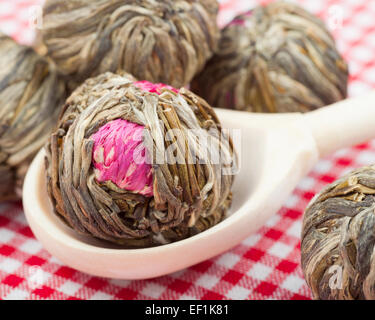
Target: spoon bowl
[{"x": 275, "y": 152}]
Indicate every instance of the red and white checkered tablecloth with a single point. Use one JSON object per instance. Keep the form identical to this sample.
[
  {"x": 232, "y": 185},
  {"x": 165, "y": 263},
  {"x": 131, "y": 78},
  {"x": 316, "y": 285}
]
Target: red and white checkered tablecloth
[{"x": 264, "y": 266}]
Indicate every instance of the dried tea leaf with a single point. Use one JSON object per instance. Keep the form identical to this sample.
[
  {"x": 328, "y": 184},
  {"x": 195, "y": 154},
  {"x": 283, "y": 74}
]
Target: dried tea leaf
[
  {"x": 165, "y": 41},
  {"x": 275, "y": 58},
  {"x": 31, "y": 94},
  {"x": 338, "y": 238}
]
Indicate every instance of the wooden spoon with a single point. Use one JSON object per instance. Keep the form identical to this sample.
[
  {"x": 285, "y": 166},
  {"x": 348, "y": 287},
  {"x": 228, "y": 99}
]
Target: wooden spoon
[{"x": 275, "y": 152}]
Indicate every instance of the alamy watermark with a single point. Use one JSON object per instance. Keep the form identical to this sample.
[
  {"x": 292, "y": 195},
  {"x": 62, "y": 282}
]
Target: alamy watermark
[
  {"x": 35, "y": 277},
  {"x": 36, "y": 17},
  {"x": 191, "y": 146},
  {"x": 335, "y": 281},
  {"x": 335, "y": 17}
]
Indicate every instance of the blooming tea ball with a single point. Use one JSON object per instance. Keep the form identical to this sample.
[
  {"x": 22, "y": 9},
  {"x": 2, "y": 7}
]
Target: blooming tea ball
[
  {"x": 275, "y": 58},
  {"x": 31, "y": 94},
  {"x": 338, "y": 238},
  {"x": 127, "y": 162},
  {"x": 161, "y": 41}
]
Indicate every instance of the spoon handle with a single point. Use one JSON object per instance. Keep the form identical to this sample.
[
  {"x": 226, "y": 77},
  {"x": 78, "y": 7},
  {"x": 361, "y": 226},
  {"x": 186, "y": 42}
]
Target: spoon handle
[{"x": 343, "y": 124}]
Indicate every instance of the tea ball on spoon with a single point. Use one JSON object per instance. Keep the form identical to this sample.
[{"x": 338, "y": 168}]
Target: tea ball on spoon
[
  {"x": 128, "y": 162},
  {"x": 275, "y": 58}
]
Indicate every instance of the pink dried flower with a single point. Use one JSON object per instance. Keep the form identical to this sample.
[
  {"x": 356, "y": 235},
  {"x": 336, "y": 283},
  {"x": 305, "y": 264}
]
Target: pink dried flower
[
  {"x": 119, "y": 156},
  {"x": 153, "y": 87}
]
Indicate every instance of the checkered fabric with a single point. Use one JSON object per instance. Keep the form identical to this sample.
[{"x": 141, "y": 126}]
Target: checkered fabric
[{"x": 265, "y": 265}]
